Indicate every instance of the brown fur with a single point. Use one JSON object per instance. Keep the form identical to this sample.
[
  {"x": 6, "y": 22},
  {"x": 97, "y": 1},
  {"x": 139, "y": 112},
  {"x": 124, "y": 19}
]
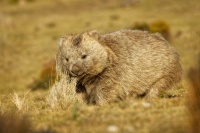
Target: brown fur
[{"x": 112, "y": 66}]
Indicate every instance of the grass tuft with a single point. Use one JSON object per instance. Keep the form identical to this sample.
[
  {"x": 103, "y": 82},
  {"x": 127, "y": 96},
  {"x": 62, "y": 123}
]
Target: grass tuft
[
  {"x": 63, "y": 93},
  {"x": 20, "y": 103}
]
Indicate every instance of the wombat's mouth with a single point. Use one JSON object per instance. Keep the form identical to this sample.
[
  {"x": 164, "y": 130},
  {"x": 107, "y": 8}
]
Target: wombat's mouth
[{"x": 75, "y": 75}]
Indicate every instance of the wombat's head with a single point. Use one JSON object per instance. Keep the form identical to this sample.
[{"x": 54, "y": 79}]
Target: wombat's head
[{"x": 82, "y": 54}]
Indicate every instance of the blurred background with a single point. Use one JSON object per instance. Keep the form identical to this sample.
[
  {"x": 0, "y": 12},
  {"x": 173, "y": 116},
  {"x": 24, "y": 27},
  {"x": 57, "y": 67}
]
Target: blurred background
[{"x": 30, "y": 29}]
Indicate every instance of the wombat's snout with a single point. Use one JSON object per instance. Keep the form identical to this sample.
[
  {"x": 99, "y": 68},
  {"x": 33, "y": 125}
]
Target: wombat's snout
[{"x": 75, "y": 70}]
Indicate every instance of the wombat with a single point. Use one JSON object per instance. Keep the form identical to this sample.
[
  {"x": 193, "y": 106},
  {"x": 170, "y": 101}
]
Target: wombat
[{"x": 111, "y": 66}]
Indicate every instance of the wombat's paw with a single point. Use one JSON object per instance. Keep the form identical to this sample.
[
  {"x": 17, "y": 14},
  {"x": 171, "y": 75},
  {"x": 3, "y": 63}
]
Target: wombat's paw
[{"x": 152, "y": 95}]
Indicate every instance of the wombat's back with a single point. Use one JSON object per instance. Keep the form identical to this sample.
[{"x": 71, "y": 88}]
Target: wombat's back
[{"x": 143, "y": 59}]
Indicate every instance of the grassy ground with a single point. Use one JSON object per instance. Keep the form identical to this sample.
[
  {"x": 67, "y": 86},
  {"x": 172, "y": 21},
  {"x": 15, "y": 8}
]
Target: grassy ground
[{"x": 28, "y": 36}]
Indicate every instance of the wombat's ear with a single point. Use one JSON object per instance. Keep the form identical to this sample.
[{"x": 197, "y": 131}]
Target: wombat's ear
[
  {"x": 94, "y": 34},
  {"x": 60, "y": 42}
]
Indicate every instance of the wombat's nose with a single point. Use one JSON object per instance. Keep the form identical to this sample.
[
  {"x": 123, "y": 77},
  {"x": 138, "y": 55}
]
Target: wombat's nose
[{"x": 75, "y": 70}]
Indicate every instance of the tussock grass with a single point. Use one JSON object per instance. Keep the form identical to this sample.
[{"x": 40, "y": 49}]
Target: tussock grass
[
  {"x": 21, "y": 103},
  {"x": 63, "y": 93}
]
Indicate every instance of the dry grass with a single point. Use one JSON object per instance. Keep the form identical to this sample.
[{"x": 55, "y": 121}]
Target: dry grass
[
  {"x": 20, "y": 103},
  {"x": 63, "y": 93},
  {"x": 28, "y": 37}
]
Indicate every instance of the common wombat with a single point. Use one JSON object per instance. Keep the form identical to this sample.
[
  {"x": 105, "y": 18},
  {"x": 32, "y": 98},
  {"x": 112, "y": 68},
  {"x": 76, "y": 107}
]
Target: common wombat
[{"x": 112, "y": 66}]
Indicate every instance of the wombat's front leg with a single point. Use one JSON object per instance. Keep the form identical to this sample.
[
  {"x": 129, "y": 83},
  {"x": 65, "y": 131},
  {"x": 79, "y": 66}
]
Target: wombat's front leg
[{"x": 101, "y": 95}]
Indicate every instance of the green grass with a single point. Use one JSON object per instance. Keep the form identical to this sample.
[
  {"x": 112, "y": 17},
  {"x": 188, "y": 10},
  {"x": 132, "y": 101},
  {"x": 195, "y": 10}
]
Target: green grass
[{"x": 28, "y": 37}]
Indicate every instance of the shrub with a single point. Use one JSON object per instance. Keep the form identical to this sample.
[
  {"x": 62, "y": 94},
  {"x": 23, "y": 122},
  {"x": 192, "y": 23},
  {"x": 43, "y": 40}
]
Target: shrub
[
  {"x": 156, "y": 26},
  {"x": 141, "y": 26},
  {"x": 46, "y": 78},
  {"x": 161, "y": 27},
  {"x": 18, "y": 1},
  {"x": 14, "y": 1}
]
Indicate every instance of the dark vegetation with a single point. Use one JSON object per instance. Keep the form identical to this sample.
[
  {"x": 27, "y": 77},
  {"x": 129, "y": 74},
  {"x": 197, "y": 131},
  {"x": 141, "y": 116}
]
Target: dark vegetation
[
  {"x": 46, "y": 77},
  {"x": 194, "y": 98},
  {"x": 159, "y": 26}
]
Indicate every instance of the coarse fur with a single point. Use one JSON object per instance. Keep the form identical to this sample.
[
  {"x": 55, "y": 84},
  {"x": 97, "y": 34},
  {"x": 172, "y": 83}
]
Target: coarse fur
[{"x": 111, "y": 66}]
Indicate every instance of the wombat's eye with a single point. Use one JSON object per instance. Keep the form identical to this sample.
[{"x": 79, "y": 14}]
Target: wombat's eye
[
  {"x": 84, "y": 56},
  {"x": 66, "y": 59}
]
